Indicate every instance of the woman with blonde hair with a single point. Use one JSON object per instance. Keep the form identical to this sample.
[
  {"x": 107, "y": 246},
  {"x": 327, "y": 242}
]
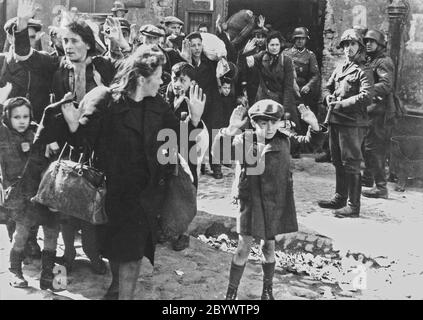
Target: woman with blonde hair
[{"x": 121, "y": 124}]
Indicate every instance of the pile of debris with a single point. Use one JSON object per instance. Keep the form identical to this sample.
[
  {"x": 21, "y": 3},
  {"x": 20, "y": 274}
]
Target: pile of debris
[{"x": 317, "y": 267}]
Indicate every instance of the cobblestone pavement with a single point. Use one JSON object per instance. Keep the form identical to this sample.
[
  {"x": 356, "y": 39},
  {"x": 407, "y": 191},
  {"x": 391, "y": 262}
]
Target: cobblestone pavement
[{"x": 386, "y": 239}]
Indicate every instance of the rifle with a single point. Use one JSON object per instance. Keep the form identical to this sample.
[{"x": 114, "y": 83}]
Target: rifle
[{"x": 331, "y": 111}]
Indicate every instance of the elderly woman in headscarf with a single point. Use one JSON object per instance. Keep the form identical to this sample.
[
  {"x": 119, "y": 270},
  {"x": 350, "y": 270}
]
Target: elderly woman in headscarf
[{"x": 77, "y": 72}]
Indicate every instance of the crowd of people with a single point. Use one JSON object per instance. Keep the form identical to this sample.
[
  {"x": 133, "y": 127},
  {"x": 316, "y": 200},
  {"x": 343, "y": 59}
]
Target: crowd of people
[{"x": 112, "y": 88}]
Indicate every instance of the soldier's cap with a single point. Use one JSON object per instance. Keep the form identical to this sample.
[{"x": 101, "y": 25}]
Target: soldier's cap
[
  {"x": 151, "y": 31},
  {"x": 124, "y": 24},
  {"x": 171, "y": 19},
  {"x": 266, "y": 109},
  {"x": 11, "y": 25},
  {"x": 119, "y": 6}
]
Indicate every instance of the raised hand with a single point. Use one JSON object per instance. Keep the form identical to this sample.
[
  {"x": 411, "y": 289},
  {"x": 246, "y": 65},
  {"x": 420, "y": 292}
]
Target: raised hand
[
  {"x": 133, "y": 35},
  {"x": 186, "y": 51},
  {"x": 261, "y": 21},
  {"x": 218, "y": 27},
  {"x": 111, "y": 29},
  {"x": 4, "y": 92},
  {"x": 250, "y": 46},
  {"x": 26, "y": 9},
  {"x": 113, "y": 32},
  {"x": 238, "y": 120},
  {"x": 218, "y": 19},
  {"x": 308, "y": 116},
  {"x": 196, "y": 103}
]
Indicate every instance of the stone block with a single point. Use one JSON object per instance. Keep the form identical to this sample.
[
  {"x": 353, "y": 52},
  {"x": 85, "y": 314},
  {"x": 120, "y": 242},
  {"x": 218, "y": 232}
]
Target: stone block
[{"x": 309, "y": 247}]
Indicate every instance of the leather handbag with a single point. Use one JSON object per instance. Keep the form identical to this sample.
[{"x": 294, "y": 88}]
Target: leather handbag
[{"x": 75, "y": 189}]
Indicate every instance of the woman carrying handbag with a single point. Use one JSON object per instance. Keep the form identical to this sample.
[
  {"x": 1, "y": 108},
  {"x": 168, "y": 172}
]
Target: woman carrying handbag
[{"x": 121, "y": 124}]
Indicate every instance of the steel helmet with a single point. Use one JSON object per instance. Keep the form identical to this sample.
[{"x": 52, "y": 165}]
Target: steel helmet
[
  {"x": 119, "y": 6},
  {"x": 377, "y": 36},
  {"x": 351, "y": 35},
  {"x": 301, "y": 32}
]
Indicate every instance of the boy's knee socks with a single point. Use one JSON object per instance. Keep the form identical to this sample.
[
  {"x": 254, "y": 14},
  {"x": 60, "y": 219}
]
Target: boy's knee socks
[{"x": 235, "y": 275}]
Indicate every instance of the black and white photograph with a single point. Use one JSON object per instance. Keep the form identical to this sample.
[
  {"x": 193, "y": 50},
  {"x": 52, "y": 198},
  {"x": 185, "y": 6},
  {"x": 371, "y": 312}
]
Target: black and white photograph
[{"x": 204, "y": 152}]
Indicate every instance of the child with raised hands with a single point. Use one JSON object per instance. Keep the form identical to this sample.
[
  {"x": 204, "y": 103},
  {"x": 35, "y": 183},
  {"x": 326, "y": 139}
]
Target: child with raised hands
[{"x": 265, "y": 185}]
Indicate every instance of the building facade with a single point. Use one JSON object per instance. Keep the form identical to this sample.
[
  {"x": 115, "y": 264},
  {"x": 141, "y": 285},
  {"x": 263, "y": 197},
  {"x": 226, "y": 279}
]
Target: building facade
[{"x": 326, "y": 20}]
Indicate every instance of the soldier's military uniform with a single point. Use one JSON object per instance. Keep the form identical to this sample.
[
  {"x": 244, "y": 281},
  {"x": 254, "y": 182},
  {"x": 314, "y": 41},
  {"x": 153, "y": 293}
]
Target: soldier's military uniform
[
  {"x": 352, "y": 85},
  {"x": 381, "y": 114},
  {"x": 308, "y": 74}
]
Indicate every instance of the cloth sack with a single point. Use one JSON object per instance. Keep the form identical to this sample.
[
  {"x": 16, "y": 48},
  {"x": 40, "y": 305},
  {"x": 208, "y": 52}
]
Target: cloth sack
[
  {"x": 213, "y": 47},
  {"x": 180, "y": 204}
]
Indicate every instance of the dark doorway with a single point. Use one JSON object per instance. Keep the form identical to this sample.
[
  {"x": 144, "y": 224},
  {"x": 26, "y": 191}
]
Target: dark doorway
[
  {"x": 2, "y": 23},
  {"x": 286, "y": 15}
]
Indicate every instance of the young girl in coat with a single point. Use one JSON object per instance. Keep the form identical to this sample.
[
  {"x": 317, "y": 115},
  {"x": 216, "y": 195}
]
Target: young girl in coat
[
  {"x": 265, "y": 188},
  {"x": 16, "y": 144}
]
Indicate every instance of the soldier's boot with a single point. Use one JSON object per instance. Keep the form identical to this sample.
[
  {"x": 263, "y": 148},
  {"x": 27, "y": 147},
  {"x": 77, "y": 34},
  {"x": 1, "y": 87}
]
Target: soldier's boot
[
  {"x": 380, "y": 190},
  {"x": 47, "y": 265},
  {"x": 268, "y": 272},
  {"x": 340, "y": 199},
  {"x": 367, "y": 179},
  {"x": 352, "y": 210},
  {"x": 235, "y": 276},
  {"x": 17, "y": 279}
]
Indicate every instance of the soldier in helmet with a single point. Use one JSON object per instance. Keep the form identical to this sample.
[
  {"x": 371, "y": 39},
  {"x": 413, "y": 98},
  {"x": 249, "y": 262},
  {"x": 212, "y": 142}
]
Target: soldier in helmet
[
  {"x": 348, "y": 93},
  {"x": 119, "y": 9},
  {"x": 307, "y": 75},
  {"x": 381, "y": 113},
  {"x": 306, "y": 68}
]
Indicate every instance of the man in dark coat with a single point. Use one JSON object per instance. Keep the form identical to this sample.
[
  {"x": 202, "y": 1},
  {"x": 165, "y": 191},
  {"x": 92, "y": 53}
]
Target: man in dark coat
[
  {"x": 381, "y": 113},
  {"x": 206, "y": 78}
]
